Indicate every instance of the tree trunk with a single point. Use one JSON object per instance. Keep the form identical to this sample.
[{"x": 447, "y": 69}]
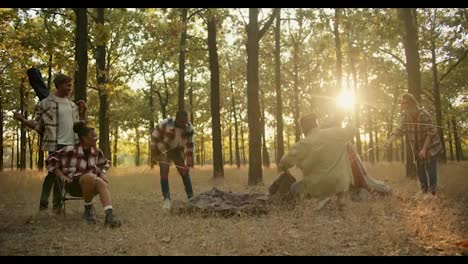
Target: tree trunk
[
  {"x": 339, "y": 58},
  {"x": 236, "y": 125},
  {"x": 81, "y": 52},
  {"x": 279, "y": 102},
  {"x": 243, "y": 142},
  {"x": 1, "y": 130},
  {"x": 182, "y": 50},
  {"x": 265, "y": 155},
  {"x": 218, "y": 170},
  {"x": 230, "y": 141},
  {"x": 151, "y": 118},
  {"x": 18, "y": 159},
  {"x": 296, "y": 103},
  {"x": 357, "y": 121},
  {"x": 377, "y": 151},
  {"x": 410, "y": 41},
  {"x": 192, "y": 116},
  {"x": 12, "y": 151},
  {"x": 30, "y": 144},
  {"x": 203, "y": 149},
  {"x": 137, "y": 142},
  {"x": 116, "y": 139},
  {"x": 103, "y": 97},
  {"x": 450, "y": 140},
  {"x": 458, "y": 149},
  {"x": 22, "y": 161},
  {"x": 437, "y": 101},
  {"x": 371, "y": 136}
]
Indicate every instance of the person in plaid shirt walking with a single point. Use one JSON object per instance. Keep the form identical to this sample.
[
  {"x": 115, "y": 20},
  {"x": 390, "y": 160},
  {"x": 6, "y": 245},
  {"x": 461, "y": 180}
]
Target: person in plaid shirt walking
[
  {"x": 417, "y": 124},
  {"x": 83, "y": 169},
  {"x": 172, "y": 140},
  {"x": 54, "y": 118}
]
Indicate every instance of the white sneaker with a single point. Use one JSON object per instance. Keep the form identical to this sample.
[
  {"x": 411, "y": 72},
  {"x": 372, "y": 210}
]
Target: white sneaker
[
  {"x": 427, "y": 197},
  {"x": 166, "y": 204}
]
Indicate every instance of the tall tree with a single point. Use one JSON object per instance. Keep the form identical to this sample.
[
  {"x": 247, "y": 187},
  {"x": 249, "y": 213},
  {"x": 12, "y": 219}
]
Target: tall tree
[
  {"x": 81, "y": 53},
  {"x": 218, "y": 169},
  {"x": 254, "y": 34},
  {"x": 101, "y": 73},
  {"x": 182, "y": 51},
  {"x": 279, "y": 102},
  {"x": 410, "y": 41}
]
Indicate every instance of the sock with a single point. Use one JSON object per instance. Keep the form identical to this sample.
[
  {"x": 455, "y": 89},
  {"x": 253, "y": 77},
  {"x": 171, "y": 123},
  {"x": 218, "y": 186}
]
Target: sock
[
  {"x": 88, "y": 204},
  {"x": 107, "y": 207}
]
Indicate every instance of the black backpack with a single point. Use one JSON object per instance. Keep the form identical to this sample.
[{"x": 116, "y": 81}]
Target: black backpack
[{"x": 37, "y": 83}]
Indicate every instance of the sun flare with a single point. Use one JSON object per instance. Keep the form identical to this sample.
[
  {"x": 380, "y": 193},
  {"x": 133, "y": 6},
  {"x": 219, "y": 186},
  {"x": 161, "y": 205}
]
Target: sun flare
[{"x": 345, "y": 100}]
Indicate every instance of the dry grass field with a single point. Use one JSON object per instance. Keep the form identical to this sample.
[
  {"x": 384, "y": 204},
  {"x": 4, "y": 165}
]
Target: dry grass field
[{"x": 394, "y": 225}]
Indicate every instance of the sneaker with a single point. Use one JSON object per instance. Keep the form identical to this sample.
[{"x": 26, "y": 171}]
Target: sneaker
[
  {"x": 111, "y": 221},
  {"x": 427, "y": 197},
  {"x": 166, "y": 204},
  {"x": 322, "y": 203},
  {"x": 89, "y": 215}
]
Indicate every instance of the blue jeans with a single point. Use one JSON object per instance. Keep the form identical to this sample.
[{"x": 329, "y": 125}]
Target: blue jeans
[
  {"x": 428, "y": 169},
  {"x": 178, "y": 159}
]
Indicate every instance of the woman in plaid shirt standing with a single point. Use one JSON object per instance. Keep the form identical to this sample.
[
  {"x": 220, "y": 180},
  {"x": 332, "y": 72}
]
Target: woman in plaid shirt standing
[
  {"x": 83, "y": 169},
  {"x": 417, "y": 124}
]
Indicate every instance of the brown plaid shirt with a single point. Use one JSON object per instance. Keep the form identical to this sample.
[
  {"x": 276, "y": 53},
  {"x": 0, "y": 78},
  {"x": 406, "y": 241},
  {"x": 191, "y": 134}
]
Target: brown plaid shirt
[
  {"x": 47, "y": 115},
  {"x": 417, "y": 129},
  {"x": 72, "y": 161}
]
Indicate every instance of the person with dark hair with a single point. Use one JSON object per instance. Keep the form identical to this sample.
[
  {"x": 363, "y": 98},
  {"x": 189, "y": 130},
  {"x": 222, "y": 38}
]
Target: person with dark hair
[
  {"x": 418, "y": 125},
  {"x": 321, "y": 155},
  {"x": 173, "y": 140},
  {"x": 82, "y": 167},
  {"x": 54, "y": 118}
]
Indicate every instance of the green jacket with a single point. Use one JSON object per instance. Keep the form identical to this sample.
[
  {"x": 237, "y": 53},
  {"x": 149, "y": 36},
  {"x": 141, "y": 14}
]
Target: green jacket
[{"x": 324, "y": 162}]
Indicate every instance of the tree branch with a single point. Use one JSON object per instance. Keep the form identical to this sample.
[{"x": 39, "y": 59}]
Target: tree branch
[
  {"x": 267, "y": 24},
  {"x": 394, "y": 56},
  {"x": 454, "y": 66},
  {"x": 195, "y": 13}
]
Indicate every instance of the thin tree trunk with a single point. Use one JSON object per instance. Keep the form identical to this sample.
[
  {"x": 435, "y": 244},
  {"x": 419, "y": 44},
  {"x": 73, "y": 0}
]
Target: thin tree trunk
[
  {"x": 116, "y": 139},
  {"x": 296, "y": 103},
  {"x": 265, "y": 155},
  {"x": 1, "y": 130},
  {"x": 218, "y": 168},
  {"x": 18, "y": 159},
  {"x": 22, "y": 161},
  {"x": 339, "y": 57},
  {"x": 182, "y": 51},
  {"x": 103, "y": 97},
  {"x": 137, "y": 142},
  {"x": 436, "y": 88},
  {"x": 243, "y": 144},
  {"x": 81, "y": 52},
  {"x": 450, "y": 140},
  {"x": 30, "y": 146},
  {"x": 356, "y": 107},
  {"x": 236, "y": 125},
  {"x": 371, "y": 153},
  {"x": 458, "y": 149},
  {"x": 230, "y": 140},
  {"x": 12, "y": 151},
  {"x": 279, "y": 103},
  {"x": 377, "y": 151}
]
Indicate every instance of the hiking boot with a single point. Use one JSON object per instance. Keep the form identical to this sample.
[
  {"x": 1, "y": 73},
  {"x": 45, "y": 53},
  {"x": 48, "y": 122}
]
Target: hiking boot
[
  {"x": 111, "y": 221},
  {"x": 89, "y": 214},
  {"x": 166, "y": 204}
]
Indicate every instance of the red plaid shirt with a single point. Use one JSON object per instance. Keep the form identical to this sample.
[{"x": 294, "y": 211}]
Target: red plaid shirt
[
  {"x": 167, "y": 136},
  {"x": 72, "y": 161}
]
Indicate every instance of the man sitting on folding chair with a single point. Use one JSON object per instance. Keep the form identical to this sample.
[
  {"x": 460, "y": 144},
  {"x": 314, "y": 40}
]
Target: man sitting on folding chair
[{"x": 83, "y": 169}]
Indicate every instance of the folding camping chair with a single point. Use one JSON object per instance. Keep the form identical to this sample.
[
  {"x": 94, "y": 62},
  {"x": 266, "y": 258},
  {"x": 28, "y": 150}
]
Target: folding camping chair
[{"x": 66, "y": 196}]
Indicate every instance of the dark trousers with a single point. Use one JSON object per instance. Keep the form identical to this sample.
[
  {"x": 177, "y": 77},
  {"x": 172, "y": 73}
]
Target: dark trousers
[
  {"x": 177, "y": 157},
  {"x": 51, "y": 181},
  {"x": 427, "y": 169}
]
